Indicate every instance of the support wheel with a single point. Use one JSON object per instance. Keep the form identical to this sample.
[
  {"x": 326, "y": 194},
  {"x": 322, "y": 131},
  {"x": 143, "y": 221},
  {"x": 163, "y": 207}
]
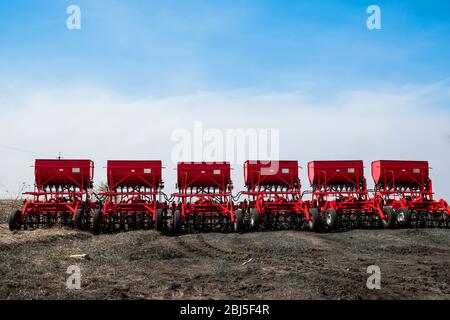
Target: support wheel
[
  {"x": 389, "y": 219},
  {"x": 239, "y": 220},
  {"x": 14, "y": 220},
  {"x": 255, "y": 219},
  {"x": 80, "y": 219},
  {"x": 177, "y": 224},
  {"x": 331, "y": 219},
  {"x": 159, "y": 219},
  {"x": 314, "y": 222},
  {"x": 403, "y": 217},
  {"x": 97, "y": 223}
]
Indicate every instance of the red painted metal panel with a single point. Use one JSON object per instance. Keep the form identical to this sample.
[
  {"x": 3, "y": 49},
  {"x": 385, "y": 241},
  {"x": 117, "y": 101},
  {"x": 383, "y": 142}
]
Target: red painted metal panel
[
  {"x": 203, "y": 174},
  {"x": 400, "y": 172},
  {"x": 284, "y": 172},
  {"x": 134, "y": 173},
  {"x": 335, "y": 172},
  {"x": 63, "y": 172}
]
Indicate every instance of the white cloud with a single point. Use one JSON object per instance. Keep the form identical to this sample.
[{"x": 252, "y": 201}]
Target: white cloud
[{"x": 400, "y": 123}]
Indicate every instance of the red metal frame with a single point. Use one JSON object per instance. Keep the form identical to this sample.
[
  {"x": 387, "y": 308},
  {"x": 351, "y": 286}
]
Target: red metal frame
[
  {"x": 61, "y": 185},
  {"x": 341, "y": 185},
  {"x": 134, "y": 186},
  {"x": 406, "y": 184},
  {"x": 204, "y": 189},
  {"x": 274, "y": 187}
]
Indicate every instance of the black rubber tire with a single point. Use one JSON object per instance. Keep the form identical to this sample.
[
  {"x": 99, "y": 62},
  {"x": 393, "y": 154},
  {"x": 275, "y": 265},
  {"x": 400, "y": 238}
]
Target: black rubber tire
[
  {"x": 389, "y": 222},
  {"x": 255, "y": 219},
  {"x": 177, "y": 223},
  {"x": 239, "y": 220},
  {"x": 159, "y": 225},
  {"x": 403, "y": 217},
  {"x": 80, "y": 219},
  {"x": 97, "y": 223},
  {"x": 331, "y": 219},
  {"x": 314, "y": 223},
  {"x": 14, "y": 220}
]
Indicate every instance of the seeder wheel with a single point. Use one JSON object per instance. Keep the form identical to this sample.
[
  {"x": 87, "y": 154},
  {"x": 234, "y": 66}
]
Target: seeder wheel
[
  {"x": 388, "y": 221},
  {"x": 239, "y": 220},
  {"x": 314, "y": 222},
  {"x": 177, "y": 224},
  {"x": 255, "y": 219},
  {"x": 97, "y": 223},
  {"x": 80, "y": 219},
  {"x": 331, "y": 219},
  {"x": 403, "y": 217},
  {"x": 14, "y": 220}
]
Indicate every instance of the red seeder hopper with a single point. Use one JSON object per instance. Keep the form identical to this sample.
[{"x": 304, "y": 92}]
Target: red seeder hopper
[
  {"x": 340, "y": 194},
  {"x": 204, "y": 197},
  {"x": 61, "y": 193},
  {"x": 274, "y": 195},
  {"x": 406, "y": 187},
  {"x": 132, "y": 199}
]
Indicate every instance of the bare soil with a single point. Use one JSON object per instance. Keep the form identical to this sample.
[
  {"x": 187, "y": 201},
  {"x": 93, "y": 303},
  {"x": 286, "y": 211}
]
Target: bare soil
[{"x": 144, "y": 264}]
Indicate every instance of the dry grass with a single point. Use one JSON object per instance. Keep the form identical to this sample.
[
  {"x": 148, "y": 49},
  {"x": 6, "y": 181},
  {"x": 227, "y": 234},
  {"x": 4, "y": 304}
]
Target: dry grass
[{"x": 6, "y": 207}]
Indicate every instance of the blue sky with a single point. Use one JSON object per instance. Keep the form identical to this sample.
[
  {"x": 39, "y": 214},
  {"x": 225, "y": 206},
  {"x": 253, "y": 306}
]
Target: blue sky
[
  {"x": 138, "y": 71},
  {"x": 157, "y": 48}
]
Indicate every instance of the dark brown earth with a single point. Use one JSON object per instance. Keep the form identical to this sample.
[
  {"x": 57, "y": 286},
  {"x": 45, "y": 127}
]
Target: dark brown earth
[{"x": 414, "y": 264}]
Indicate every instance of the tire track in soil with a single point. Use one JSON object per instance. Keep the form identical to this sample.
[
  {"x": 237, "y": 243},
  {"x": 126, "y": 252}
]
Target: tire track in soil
[
  {"x": 210, "y": 281},
  {"x": 202, "y": 248},
  {"x": 322, "y": 258},
  {"x": 330, "y": 248},
  {"x": 247, "y": 282},
  {"x": 278, "y": 263},
  {"x": 233, "y": 253}
]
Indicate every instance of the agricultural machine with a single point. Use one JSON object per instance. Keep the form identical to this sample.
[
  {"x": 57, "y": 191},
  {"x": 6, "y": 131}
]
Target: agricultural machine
[
  {"x": 61, "y": 194},
  {"x": 406, "y": 187},
  {"x": 132, "y": 199},
  {"x": 204, "y": 197},
  {"x": 274, "y": 196},
  {"x": 340, "y": 194},
  {"x": 403, "y": 195}
]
